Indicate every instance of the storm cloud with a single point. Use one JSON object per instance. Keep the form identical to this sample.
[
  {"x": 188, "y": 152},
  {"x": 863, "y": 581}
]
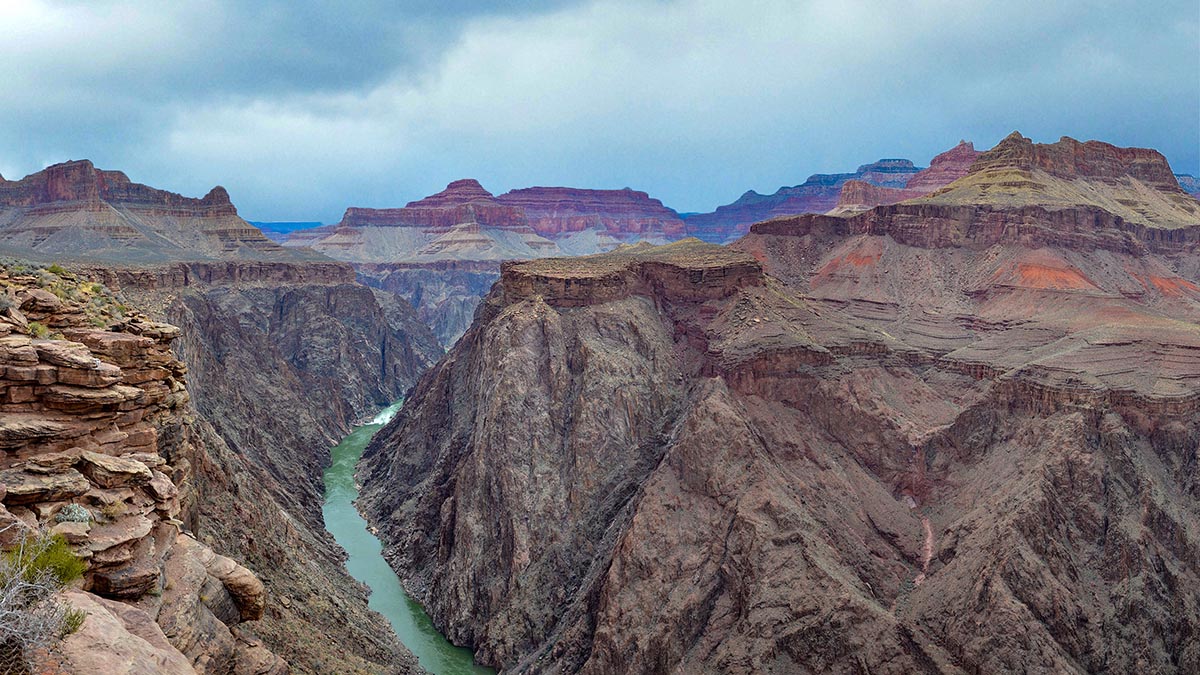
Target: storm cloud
[{"x": 301, "y": 109}]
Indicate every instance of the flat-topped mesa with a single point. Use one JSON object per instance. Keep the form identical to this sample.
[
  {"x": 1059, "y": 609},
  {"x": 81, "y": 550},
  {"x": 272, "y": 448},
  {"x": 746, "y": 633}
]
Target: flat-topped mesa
[
  {"x": 463, "y": 201},
  {"x": 558, "y": 211},
  {"x": 1134, "y": 184},
  {"x": 688, "y": 270},
  {"x": 947, "y": 167},
  {"x": 73, "y": 210}
]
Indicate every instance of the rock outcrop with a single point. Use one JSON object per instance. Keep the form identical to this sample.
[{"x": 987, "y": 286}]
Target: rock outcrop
[
  {"x": 938, "y": 436},
  {"x": 259, "y": 340},
  {"x": 95, "y": 431},
  {"x": 262, "y": 328},
  {"x": 818, "y": 194},
  {"x": 442, "y": 253},
  {"x": 74, "y": 209}
]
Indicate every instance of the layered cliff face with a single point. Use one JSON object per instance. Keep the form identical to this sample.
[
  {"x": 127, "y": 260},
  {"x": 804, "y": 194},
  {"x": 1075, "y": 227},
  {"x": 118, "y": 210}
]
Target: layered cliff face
[
  {"x": 444, "y": 295},
  {"x": 74, "y": 209},
  {"x": 947, "y": 167},
  {"x": 1134, "y": 184},
  {"x": 283, "y": 360},
  {"x": 284, "y": 350},
  {"x": 443, "y": 252},
  {"x": 554, "y": 212},
  {"x": 845, "y": 446},
  {"x": 818, "y": 194},
  {"x": 97, "y": 435}
]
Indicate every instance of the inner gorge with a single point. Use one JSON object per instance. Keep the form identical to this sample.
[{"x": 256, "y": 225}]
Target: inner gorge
[{"x": 600, "y": 337}]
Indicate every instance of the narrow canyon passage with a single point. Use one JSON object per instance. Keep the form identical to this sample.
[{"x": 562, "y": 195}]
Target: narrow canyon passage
[{"x": 366, "y": 562}]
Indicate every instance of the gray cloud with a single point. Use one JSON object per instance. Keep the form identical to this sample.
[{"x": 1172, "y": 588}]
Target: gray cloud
[{"x": 301, "y": 110}]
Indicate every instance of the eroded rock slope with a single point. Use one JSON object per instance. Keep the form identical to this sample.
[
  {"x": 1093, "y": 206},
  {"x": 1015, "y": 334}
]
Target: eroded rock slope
[{"x": 953, "y": 435}]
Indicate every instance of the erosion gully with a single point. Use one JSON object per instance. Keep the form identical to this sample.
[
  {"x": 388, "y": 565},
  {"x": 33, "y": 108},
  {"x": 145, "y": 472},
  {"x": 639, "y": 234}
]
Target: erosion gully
[{"x": 366, "y": 562}]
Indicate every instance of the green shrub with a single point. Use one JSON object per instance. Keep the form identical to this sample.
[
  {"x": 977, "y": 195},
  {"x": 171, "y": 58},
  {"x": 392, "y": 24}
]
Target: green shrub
[
  {"x": 38, "y": 330},
  {"x": 58, "y": 269},
  {"x": 49, "y": 555},
  {"x": 33, "y": 615}
]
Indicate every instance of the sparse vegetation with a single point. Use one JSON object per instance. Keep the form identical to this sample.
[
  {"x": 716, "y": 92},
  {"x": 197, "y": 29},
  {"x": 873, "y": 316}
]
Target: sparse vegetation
[
  {"x": 32, "y": 616},
  {"x": 114, "y": 510},
  {"x": 38, "y": 330}
]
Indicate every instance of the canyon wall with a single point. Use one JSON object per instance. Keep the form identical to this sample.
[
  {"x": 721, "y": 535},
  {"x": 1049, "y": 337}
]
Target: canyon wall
[
  {"x": 842, "y": 445},
  {"x": 101, "y": 448},
  {"x": 283, "y": 351}
]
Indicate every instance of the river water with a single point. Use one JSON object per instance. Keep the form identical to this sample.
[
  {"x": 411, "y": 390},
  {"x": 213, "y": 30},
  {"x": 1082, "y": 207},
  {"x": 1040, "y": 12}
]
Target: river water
[{"x": 366, "y": 561}]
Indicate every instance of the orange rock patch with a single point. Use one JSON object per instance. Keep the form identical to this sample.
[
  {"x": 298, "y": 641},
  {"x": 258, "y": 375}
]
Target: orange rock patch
[
  {"x": 1030, "y": 275},
  {"x": 1173, "y": 286}
]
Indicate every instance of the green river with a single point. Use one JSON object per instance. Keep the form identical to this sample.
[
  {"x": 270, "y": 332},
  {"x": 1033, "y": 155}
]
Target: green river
[{"x": 366, "y": 561}]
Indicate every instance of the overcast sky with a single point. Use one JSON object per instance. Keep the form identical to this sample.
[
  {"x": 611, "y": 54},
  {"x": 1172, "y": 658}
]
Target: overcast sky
[{"x": 301, "y": 110}]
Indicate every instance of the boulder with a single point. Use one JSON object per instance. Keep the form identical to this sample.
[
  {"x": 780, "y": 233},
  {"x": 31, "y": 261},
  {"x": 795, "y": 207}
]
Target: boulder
[
  {"x": 25, "y": 487},
  {"x": 118, "y": 639},
  {"x": 114, "y": 472}
]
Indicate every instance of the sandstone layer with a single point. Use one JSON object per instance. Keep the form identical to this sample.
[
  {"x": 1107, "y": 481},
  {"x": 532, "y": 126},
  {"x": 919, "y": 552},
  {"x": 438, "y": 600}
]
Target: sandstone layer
[
  {"x": 285, "y": 351},
  {"x": 949, "y": 436},
  {"x": 443, "y": 252},
  {"x": 96, "y": 438}
]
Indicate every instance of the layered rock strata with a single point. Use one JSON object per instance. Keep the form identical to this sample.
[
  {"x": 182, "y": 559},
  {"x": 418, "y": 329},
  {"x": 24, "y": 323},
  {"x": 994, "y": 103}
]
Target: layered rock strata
[
  {"x": 283, "y": 360},
  {"x": 935, "y": 437},
  {"x": 74, "y": 209},
  {"x": 95, "y": 438}
]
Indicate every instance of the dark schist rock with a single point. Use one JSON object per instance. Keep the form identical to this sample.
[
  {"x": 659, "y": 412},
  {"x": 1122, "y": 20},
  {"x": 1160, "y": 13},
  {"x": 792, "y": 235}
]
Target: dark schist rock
[
  {"x": 285, "y": 359},
  {"x": 841, "y": 445}
]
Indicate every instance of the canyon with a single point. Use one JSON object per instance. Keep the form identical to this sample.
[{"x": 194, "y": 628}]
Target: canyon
[
  {"x": 952, "y": 434},
  {"x": 931, "y": 420},
  {"x": 277, "y": 353},
  {"x": 442, "y": 252}
]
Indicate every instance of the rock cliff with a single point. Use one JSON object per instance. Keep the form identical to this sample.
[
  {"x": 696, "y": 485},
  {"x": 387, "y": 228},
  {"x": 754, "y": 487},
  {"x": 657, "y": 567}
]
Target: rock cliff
[
  {"x": 443, "y": 252},
  {"x": 284, "y": 350},
  {"x": 283, "y": 358},
  {"x": 73, "y": 209},
  {"x": 97, "y": 438},
  {"x": 939, "y": 437},
  {"x": 554, "y": 212}
]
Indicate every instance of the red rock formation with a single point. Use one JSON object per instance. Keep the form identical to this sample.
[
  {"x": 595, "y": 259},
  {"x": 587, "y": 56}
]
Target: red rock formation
[
  {"x": 1068, "y": 158},
  {"x": 74, "y": 209},
  {"x": 946, "y": 168},
  {"x": 892, "y": 430},
  {"x": 624, "y": 214},
  {"x": 462, "y": 201}
]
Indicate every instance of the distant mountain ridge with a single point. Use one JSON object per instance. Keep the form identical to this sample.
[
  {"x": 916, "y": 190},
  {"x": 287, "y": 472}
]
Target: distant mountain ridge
[{"x": 74, "y": 209}]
